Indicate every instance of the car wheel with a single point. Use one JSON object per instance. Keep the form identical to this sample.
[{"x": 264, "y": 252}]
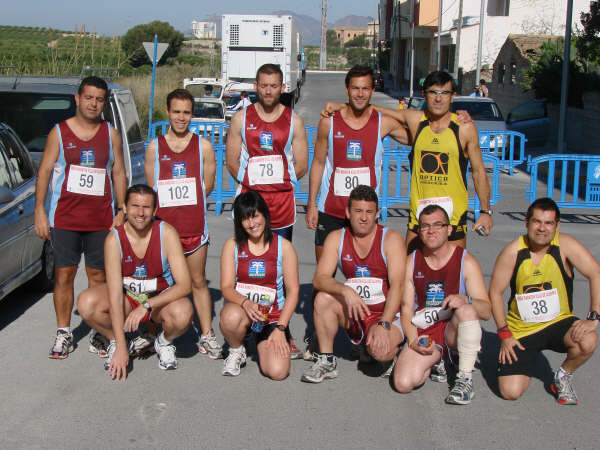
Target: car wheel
[{"x": 44, "y": 281}]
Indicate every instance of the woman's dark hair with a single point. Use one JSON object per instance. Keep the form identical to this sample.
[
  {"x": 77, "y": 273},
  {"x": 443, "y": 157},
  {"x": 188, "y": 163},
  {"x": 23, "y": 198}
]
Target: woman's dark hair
[{"x": 246, "y": 205}]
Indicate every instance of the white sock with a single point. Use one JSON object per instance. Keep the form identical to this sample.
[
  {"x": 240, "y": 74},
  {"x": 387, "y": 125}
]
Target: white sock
[
  {"x": 562, "y": 372},
  {"x": 65, "y": 329},
  {"x": 162, "y": 340},
  {"x": 465, "y": 375}
]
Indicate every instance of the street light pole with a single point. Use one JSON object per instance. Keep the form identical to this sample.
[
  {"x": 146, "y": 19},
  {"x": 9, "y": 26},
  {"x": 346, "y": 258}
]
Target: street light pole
[
  {"x": 564, "y": 85},
  {"x": 412, "y": 45},
  {"x": 439, "y": 36},
  {"x": 457, "y": 48},
  {"x": 480, "y": 43}
]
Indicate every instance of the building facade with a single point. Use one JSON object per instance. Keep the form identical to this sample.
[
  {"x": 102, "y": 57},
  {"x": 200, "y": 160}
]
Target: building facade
[{"x": 204, "y": 30}]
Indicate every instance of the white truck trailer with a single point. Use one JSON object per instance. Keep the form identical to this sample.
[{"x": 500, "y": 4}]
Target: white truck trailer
[{"x": 249, "y": 41}]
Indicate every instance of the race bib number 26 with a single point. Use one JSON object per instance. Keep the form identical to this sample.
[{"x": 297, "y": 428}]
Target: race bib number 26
[{"x": 368, "y": 288}]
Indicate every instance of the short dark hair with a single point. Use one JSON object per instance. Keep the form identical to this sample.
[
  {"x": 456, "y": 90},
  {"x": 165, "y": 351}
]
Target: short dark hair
[
  {"x": 246, "y": 205},
  {"x": 180, "y": 94},
  {"x": 363, "y": 192},
  {"x": 359, "y": 71},
  {"x": 142, "y": 189},
  {"x": 482, "y": 81},
  {"x": 94, "y": 81},
  {"x": 270, "y": 69},
  {"x": 244, "y": 94},
  {"x": 430, "y": 209},
  {"x": 440, "y": 78},
  {"x": 545, "y": 204}
]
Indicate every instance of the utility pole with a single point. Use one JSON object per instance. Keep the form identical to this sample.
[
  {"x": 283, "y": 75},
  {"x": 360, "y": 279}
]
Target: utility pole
[
  {"x": 323, "y": 57},
  {"x": 480, "y": 43},
  {"x": 458, "y": 31},
  {"x": 564, "y": 85},
  {"x": 439, "y": 36},
  {"x": 412, "y": 45}
]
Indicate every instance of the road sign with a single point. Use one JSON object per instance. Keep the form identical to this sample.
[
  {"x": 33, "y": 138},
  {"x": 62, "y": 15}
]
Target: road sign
[{"x": 161, "y": 48}]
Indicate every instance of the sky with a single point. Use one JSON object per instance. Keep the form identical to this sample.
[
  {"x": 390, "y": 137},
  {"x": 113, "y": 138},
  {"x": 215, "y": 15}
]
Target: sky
[{"x": 110, "y": 17}]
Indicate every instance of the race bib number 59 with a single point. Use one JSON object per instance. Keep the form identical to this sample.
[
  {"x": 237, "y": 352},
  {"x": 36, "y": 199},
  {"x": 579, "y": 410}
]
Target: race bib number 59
[{"x": 86, "y": 180}]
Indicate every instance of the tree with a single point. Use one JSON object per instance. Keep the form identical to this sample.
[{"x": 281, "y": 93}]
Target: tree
[
  {"x": 588, "y": 42},
  {"x": 331, "y": 39},
  {"x": 358, "y": 41},
  {"x": 132, "y": 41}
]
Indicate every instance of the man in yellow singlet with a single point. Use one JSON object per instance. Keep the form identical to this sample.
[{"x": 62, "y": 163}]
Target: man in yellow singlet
[
  {"x": 539, "y": 268},
  {"x": 442, "y": 148}
]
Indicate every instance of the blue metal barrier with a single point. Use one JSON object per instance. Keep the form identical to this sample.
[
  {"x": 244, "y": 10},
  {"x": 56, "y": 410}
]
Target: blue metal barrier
[
  {"x": 394, "y": 190},
  {"x": 573, "y": 171},
  {"x": 501, "y": 144}
]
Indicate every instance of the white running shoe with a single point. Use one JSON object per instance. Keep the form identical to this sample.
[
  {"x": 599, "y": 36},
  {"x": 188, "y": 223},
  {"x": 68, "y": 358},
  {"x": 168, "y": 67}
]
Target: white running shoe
[
  {"x": 98, "y": 344},
  {"x": 141, "y": 344},
  {"x": 234, "y": 362},
  {"x": 110, "y": 351},
  {"x": 208, "y": 345},
  {"x": 166, "y": 355}
]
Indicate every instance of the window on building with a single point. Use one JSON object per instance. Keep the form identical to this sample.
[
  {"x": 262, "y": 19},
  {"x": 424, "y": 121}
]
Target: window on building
[
  {"x": 498, "y": 7},
  {"x": 513, "y": 73},
  {"x": 501, "y": 73}
]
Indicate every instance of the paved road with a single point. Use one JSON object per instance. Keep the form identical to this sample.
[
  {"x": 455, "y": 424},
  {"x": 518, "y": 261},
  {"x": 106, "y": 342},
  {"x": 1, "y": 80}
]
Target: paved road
[{"x": 74, "y": 404}]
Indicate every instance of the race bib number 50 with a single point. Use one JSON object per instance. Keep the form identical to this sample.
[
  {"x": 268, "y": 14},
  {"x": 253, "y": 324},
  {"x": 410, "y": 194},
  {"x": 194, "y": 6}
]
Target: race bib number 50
[
  {"x": 368, "y": 288},
  {"x": 540, "y": 306},
  {"x": 86, "y": 180},
  {"x": 426, "y": 317}
]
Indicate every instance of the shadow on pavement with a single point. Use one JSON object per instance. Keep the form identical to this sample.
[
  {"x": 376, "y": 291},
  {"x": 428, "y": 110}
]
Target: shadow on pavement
[
  {"x": 17, "y": 302},
  {"x": 488, "y": 364}
]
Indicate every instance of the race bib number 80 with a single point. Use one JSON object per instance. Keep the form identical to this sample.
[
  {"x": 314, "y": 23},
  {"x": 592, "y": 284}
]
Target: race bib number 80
[
  {"x": 540, "y": 306},
  {"x": 347, "y": 179}
]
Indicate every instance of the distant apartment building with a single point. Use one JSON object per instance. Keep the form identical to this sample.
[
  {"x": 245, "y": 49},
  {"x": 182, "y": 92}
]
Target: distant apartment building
[
  {"x": 204, "y": 30},
  {"x": 501, "y": 18},
  {"x": 345, "y": 34}
]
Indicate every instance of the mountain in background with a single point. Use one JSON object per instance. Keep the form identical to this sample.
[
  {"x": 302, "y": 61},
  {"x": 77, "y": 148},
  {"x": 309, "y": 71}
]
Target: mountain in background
[
  {"x": 307, "y": 26},
  {"x": 352, "y": 21}
]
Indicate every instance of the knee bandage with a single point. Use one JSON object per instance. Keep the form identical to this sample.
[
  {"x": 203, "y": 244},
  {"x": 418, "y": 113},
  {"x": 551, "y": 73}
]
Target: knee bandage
[{"x": 468, "y": 343}]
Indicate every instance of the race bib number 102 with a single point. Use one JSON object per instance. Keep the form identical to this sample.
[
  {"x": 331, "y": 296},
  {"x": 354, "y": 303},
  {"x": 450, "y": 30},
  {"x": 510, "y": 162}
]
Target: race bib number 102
[{"x": 177, "y": 192}]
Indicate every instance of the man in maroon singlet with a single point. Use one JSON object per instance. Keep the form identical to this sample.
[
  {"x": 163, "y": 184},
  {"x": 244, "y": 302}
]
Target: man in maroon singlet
[
  {"x": 372, "y": 259},
  {"x": 147, "y": 280},
  {"x": 83, "y": 162},
  {"x": 267, "y": 152},
  {"x": 348, "y": 152},
  {"x": 181, "y": 167},
  {"x": 443, "y": 300}
]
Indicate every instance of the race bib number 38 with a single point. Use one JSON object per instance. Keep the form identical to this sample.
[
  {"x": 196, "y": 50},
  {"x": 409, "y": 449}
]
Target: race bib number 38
[
  {"x": 177, "y": 192},
  {"x": 426, "y": 317},
  {"x": 86, "y": 180},
  {"x": 265, "y": 170},
  {"x": 347, "y": 179},
  {"x": 368, "y": 288},
  {"x": 540, "y": 306}
]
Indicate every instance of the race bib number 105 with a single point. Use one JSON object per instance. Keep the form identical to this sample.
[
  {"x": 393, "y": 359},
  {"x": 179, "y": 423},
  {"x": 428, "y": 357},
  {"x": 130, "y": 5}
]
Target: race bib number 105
[{"x": 256, "y": 293}]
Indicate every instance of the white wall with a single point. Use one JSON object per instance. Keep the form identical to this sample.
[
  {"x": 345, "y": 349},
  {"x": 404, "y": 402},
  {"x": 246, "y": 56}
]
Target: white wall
[{"x": 525, "y": 17}]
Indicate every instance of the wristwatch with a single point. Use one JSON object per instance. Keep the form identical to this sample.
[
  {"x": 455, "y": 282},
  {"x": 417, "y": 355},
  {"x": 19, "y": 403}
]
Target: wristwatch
[
  {"x": 593, "y": 315},
  {"x": 280, "y": 327},
  {"x": 385, "y": 325},
  {"x": 489, "y": 212},
  {"x": 146, "y": 305}
]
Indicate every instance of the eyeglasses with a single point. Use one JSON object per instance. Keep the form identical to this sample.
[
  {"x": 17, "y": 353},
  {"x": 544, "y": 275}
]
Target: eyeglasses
[
  {"x": 436, "y": 93},
  {"x": 436, "y": 226}
]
